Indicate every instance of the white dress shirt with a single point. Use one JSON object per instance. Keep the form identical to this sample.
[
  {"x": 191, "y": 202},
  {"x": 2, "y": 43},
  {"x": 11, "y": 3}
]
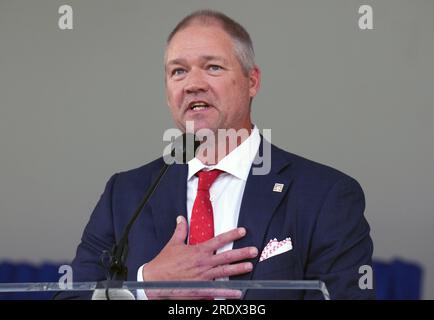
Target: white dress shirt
[{"x": 226, "y": 192}]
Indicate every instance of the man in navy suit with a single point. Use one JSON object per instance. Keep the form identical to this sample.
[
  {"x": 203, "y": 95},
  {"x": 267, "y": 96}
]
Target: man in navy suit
[{"x": 299, "y": 221}]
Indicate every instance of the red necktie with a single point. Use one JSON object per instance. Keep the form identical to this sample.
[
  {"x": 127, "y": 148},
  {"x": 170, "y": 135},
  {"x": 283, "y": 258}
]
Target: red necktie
[{"x": 202, "y": 220}]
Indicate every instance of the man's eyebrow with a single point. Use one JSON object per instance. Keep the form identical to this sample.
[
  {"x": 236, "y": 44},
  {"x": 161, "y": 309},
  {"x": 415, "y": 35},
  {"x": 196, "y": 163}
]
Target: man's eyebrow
[
  {"x": 176, "y": 61},
  {"x": 207, "y": 58}
]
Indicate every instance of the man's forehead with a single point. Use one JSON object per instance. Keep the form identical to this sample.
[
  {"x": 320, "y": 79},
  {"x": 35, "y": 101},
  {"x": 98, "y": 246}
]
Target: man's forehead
[
  {"x": 200, "y": 42},
  {"x": 200, "y": 58}
]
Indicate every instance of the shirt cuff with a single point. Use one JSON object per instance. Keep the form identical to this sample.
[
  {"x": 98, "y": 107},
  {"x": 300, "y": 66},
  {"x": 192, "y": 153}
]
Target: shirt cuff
[{"x": 141, "y": 295}]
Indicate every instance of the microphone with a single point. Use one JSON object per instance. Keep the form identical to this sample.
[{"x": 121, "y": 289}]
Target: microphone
[
  {"x": 118, "y": 271},
  {"x": 115, "y": 294}
]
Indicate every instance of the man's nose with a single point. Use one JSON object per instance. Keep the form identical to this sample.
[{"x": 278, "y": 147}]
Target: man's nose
[{"x": 196, "y": 82}]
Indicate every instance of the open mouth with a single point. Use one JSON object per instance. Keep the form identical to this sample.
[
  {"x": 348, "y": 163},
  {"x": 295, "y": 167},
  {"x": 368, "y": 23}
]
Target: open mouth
[{"x": 197, "y": 106}]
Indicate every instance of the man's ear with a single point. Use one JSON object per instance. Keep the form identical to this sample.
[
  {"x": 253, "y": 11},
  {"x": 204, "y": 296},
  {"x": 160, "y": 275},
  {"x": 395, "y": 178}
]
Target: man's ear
[{"x": 254, "y": 81}]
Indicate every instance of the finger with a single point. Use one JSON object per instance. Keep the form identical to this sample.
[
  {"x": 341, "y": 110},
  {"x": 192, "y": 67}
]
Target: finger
[
  {"x": 224, "y": 238},
  {"x": 235, "y": 255},
  {"x": 228, "y": 270},
  {"x": 180, "y": 233}
]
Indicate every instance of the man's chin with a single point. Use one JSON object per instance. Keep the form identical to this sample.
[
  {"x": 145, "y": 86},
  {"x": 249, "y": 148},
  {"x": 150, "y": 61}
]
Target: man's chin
[{"x": 199, "y": 127}]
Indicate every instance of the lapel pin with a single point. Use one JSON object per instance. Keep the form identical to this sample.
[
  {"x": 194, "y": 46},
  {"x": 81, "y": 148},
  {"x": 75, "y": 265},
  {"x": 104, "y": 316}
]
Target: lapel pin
[{"x": 278, "y": 187}]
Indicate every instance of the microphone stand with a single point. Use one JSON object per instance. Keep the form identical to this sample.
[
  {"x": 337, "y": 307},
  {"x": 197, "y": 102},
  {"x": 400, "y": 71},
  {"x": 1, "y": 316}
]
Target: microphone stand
[{"x": 118, "y": 270}]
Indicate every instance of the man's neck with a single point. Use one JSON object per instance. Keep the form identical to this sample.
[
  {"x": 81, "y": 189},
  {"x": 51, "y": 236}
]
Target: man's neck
[{"x": 213, "y": 151}]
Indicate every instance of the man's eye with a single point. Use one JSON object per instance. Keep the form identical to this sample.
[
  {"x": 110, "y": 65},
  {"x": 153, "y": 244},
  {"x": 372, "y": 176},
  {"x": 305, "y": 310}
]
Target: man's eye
[
  {"x": 214, "y": 67},
  {"x": 177, "y": 72}
]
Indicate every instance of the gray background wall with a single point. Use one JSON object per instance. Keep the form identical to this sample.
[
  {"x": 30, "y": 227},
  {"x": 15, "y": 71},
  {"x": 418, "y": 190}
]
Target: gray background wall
[{"x": 78, "y": 105}]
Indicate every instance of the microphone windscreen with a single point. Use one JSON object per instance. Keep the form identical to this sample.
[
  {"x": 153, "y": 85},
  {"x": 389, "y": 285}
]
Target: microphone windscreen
[
  {"x": 184, "y": 147},
  {"x": 114, "y": 294}
]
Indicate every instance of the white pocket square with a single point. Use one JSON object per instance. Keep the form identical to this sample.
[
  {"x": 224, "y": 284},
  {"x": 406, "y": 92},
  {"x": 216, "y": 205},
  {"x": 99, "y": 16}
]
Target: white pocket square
[{"x": 274, "y": 247}]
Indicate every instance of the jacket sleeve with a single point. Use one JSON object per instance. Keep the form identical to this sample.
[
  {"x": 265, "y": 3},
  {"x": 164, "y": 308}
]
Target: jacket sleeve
[
  {"x": 98, "y": 237},
  {"x": 341, "y": 243}
]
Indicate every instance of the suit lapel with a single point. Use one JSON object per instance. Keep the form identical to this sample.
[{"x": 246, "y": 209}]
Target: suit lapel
[
  {"x": 169, "y": 200},
  {"x": 260, "y": 203}
]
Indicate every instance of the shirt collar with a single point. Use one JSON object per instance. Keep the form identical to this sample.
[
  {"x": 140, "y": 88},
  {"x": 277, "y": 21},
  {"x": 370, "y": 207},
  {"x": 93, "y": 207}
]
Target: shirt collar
[{"x": 237, "y": 162}]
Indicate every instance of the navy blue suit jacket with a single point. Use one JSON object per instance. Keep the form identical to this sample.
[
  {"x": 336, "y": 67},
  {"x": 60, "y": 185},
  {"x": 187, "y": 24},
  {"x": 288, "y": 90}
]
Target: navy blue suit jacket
[{"x": 320, "y": 209}]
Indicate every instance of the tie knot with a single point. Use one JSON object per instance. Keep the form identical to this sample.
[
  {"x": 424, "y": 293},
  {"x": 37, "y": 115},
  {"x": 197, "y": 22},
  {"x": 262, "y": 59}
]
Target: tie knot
[{"x": 207, "y": 178}]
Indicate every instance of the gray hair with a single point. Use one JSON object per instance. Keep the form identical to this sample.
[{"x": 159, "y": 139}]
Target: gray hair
[{"x": 243, "y": 45}]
